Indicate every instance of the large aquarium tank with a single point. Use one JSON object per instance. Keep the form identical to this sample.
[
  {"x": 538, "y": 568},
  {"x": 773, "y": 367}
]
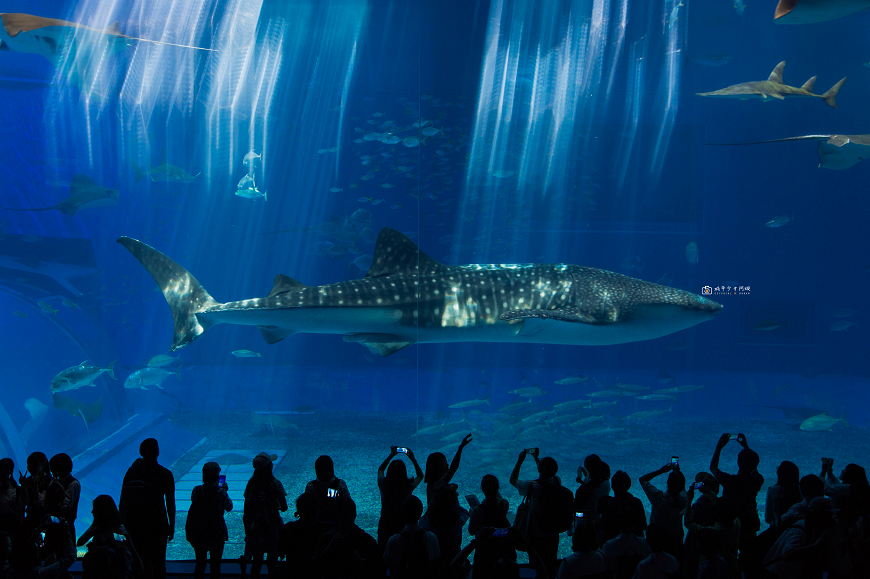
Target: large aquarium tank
[{"x": 347, "y": 225}]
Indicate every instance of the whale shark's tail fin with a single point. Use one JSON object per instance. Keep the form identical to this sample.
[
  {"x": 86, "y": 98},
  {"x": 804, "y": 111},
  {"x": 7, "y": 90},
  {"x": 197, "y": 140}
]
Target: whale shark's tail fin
[
  {"x": 832, "y": 93},
  {"x": 184, "y": 294}
]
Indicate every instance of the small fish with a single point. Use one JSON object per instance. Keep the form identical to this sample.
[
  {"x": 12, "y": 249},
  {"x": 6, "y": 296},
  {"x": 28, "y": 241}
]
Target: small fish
[
  {"x": 250, "y": 161},
  {"x": 431, "y": 131},
  {"x": 390, "y": 139},
  {"x": 336, "y": 190},
  {"x": 420, "y": 123},
  {"x": 150, "y": 376},
  {"x": 769, "y": 325},
  {"x": 572, "y": 380},
  {"x": 675, "y": 15},
  {"x": 843, "y": 313},
  {"x": 412, "y": 141},
  {"x": 161, "y": 360},
  {"x": 71, "y": 305},
  {"x": 588, "y": 420},
  {"x": 692, "y": 253},
  {"x": 531, "y": 392},
  {"x": 502, "y": 174},
  {"x": 246, "y": 354},
  {"x": 470, "y": 403},
  {"x": 821, "y": 422},
  {"x": 842, "y": 326},
  {"x": 739, "y": 6},
  {"x": 657, "y": 397},
  {"x": 779, "y": 221},
  {"x": 681, "y": 389},
  {"x": 247, "y": 188},
  {"x": 47, "y": 309},
  {"x": 371, "y": 136},
  {"x": 19, "y": 314},
  {"x": 386, "y": 186},
  {"x": 77, "y": 376}
]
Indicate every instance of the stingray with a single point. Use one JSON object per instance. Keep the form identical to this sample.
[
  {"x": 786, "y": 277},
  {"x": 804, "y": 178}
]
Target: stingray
[
  {"x": 84, "y": 193},
  {"x": 835, "y": 151},
  {"x": 89, "y": 412},
  {"x": 808, "y": 11}
]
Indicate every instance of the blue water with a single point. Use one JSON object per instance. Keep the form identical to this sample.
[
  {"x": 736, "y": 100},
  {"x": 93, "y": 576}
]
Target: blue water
[{"x": 570, "y": 133}]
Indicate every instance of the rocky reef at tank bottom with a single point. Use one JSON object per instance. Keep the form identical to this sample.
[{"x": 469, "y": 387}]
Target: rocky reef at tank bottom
[{"x": 359, "y": 442}]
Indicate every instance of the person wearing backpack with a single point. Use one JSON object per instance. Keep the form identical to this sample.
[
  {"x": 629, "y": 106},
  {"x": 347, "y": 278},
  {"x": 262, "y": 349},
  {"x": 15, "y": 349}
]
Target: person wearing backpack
[
  {"x": 205, "y": 529},
  {"x": 264, "y": 497},
  {"x": 492, "y": 512},
  {"x": 327, "y": 488},
  {"x": 551, "y": 508},
  {"x": 148, "y": 508},
  {"x": 414, "y": 552}
]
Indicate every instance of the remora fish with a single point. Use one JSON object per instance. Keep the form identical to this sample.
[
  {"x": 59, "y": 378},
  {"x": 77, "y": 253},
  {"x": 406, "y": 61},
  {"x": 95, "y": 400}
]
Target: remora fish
[
  {"x": 408, "y": 297},
  {"x": 807, "y": 11},
  {"x": 77, "y": 376},
  {"x": 84, "y": 193},
  {"x": 773, "y": 88}
]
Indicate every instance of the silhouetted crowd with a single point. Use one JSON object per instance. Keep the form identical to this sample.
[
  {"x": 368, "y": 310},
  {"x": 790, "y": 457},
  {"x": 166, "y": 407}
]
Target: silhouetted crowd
[{"x": 818, "y": 524}]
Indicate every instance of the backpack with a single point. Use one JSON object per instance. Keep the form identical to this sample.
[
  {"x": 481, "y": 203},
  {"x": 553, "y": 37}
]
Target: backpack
[
  {"x": 204, "y": 519},
  {"x": 259, "y": 508},
  {"x": 555, "y": 509},
  {"x": 415, "y": 563}
]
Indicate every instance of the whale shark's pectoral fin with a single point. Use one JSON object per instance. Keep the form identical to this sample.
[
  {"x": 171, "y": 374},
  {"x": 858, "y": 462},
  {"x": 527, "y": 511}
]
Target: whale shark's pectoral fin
[
  {"x": 383, "y": 344},
  {"x": 273, "y": 334},
  {"x": 562, "y": 315}
]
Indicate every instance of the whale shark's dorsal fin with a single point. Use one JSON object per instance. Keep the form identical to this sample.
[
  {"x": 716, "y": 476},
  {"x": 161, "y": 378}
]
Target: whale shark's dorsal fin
[
  {"x": 395, "y": 253},
  {"x": 284, "y": 284},
  {"x": 776, "y": 75}
]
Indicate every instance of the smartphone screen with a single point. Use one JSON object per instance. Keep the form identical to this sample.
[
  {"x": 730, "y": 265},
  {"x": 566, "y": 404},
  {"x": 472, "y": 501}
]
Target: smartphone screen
[
  {"x": 675, "y": 460},
  {"x": 331, "y": 493},
  {"x": 222, "y": 480},
  {"x": 402, "y": 449}
]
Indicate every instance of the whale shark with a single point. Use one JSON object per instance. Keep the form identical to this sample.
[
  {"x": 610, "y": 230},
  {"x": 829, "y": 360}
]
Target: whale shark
[
  {"x": 84, "y": 193},
  {"x": 407, "y": 297},
  {"x": 808, "y": 11},
  {"x": 773, "y": 88},
  {"x": 835, "y": 151}
]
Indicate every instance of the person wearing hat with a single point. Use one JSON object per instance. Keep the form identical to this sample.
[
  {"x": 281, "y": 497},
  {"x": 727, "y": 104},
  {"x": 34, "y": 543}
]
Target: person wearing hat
[
  {"x": 800, "y": 550},
  {"x": 205, "y": 529},
  {"x": 264, "y": 497}
]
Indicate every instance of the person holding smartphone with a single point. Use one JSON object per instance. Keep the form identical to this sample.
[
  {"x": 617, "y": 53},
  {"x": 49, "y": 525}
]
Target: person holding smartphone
[
  {"x": 205, "y": 529},
  {"x": 394, "y": 485},
  {"x": 667, "y": 505},
  {"x": 742, "y": 488}
]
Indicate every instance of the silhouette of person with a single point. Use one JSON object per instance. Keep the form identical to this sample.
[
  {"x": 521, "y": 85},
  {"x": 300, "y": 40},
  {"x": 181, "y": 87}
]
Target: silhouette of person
[
  {"x": 811, "y": 486},
  {"x": 413, "y": 553},
  {"x": 622, "y": 499},
  {"x": 264, "y": 497},
  {"x": 9, "y": 506},
  {"x": 666, "y": 506},
  {"x": 627, "y": 550},
  {"x": 34, "y": 489},
  {"x": 104, "y": 533},
  {"x": 206, "y": 530},
  {"x": 658, "y": 563},
  {"x": 347, "y": 550},
  {"x": 784, "y": 494},
  {"x": 594, "y": 479},
  {"x": 148, "y": 508},
  {"x": 327, "y": 487},
  {"x": 63, "y": 490},
  {"x": 495, "y": 555},
  {"x": 299, "y": 538},
  {"x": 587, "y": 560},
  {"x": 444, "y": 516},
  {"x": 492, "y": 512},
  {"x": 542, "y": 507},
  {"x": 742, "y": 487},
  {"x": 394, "y": 486}
]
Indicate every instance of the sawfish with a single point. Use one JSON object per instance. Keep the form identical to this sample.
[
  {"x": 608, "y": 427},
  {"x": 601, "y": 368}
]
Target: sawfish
[
  {"x": 77, "y": 50},
  {"x": 807, "y": 11},
  {"x": 84, "y": 193},
  {"x": 407, "y": 297},
  {"x": 773, "y": 88},
  {"x": 835, "y": 151}
]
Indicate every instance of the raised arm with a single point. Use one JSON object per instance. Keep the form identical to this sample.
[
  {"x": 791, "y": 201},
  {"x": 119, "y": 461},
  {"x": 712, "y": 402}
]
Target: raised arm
[
  {"x": 418, "y": 472},
  {"x": 714, "y": 462},
  {"x": 651, "y": 475},
  {"x": 515, "y": 473},
  {"x": 382, "y": 469},
  {"x": 454, "y": 465}
]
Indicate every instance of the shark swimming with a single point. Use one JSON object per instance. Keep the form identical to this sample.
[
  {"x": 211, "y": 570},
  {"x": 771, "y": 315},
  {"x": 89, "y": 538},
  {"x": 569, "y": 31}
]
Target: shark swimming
[
  {"x": 84, "y": 193},
  {"x": 808, "y": 11},
  {"x": 407, "y": 297},
  {"x": 166, "y": 173},
  {"x": 835, "y": 151},
  {"x": 773, "y": 88}
]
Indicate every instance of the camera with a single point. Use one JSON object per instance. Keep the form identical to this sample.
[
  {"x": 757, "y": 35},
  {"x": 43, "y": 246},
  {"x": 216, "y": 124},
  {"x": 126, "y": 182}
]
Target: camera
[
  {"x": 579, "y": 515},
  {"x": 675, "y": 460},
  {"x": 698, "y": 485},
  {"x": 531, "y": 451},
  {"x": 402, "y": 449},
  {"x": 222, "y": 480},
  {"x": 331, "y": 493}
]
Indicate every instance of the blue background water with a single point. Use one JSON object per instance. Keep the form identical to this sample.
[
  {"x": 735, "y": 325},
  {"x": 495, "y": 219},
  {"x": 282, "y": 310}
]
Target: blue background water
[{"x": 590, "y": 105}]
